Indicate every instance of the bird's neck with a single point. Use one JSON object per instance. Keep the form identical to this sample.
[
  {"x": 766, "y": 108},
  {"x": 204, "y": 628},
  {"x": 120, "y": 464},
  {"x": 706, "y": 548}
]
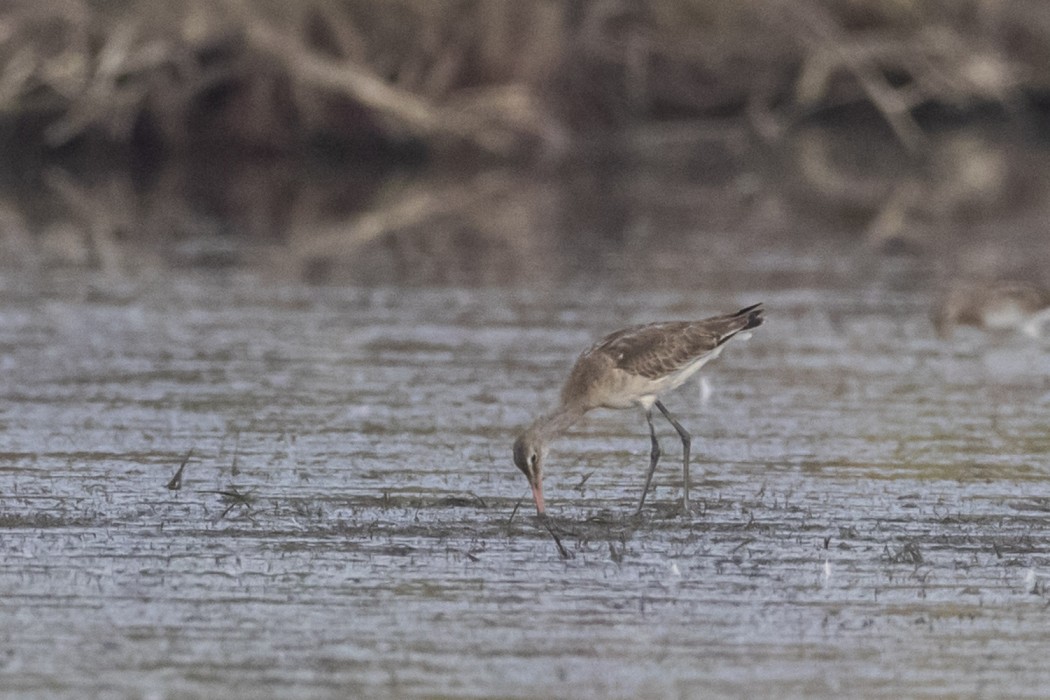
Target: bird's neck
[{"x": 557, "y": 422}]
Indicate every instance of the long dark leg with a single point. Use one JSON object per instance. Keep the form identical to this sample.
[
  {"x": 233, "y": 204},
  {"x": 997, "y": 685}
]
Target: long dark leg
[
  {"x": 654, "y": 457},
  {"x": 687, "y": 440}
]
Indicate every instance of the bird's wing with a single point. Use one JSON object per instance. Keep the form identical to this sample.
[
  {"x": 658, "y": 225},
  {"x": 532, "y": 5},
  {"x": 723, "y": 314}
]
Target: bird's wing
[{"x": 655, "y": 350}]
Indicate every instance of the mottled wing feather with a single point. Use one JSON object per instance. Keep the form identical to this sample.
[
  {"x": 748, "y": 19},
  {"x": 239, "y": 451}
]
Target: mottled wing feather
[
  {"x": 652, "y": 351},
  {"x": 657, "y": 349}
]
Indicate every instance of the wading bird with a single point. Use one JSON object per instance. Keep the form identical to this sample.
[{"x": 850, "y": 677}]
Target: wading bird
[
  {"x": 1002, "y": 305},
  {"x": 632, "y": 367}
]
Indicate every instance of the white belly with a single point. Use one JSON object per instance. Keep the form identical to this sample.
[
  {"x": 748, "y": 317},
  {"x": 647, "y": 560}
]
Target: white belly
[{"x": 1004, "y": 315}]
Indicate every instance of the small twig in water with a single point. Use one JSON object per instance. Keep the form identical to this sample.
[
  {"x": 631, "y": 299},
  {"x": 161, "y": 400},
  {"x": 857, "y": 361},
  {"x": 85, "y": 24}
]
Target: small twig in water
[
  {"x": 234, "y": 469},
  {"x": 176, "y": 481},
  {"x": 579, "y": 486},
  {"x": 471, "y": 499},
  {"x": 908, "y": 554},
  {"x": 515, "y": 511},
  {"x": 233, "y": 498}
]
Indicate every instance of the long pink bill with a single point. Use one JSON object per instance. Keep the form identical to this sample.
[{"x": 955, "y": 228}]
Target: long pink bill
[{"x": 537, "y": 495}]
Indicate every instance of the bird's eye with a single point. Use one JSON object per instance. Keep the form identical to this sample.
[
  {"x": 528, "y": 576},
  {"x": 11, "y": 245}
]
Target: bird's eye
[{"x": 532, "y": 460}]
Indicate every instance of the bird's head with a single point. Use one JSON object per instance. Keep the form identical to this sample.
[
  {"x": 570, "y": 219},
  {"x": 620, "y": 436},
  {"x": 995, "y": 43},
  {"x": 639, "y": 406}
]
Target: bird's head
[{"x": 529, "y": 451}]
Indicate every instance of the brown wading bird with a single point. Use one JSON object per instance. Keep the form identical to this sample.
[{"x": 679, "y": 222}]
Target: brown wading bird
[
  {"x": 632, "y": 367},
  {"x": 1003, "y": 305}
]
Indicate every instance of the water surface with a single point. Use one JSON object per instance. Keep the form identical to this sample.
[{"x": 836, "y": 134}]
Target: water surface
[{"x": 871, "y": 502}]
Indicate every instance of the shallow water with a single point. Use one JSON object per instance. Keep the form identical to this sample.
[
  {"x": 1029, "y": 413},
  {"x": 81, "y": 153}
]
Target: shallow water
[{"x": 871, "y": 502}]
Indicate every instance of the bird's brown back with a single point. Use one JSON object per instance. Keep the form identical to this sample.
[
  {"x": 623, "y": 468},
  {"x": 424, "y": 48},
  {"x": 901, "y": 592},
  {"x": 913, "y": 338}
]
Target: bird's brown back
[{"x": 655, "y": 350}]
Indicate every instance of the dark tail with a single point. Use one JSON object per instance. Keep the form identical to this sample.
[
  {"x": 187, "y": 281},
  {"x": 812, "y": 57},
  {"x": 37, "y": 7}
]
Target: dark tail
[
  {"x": 753, "y": 314},
  {"x": 745, "y": 319}
]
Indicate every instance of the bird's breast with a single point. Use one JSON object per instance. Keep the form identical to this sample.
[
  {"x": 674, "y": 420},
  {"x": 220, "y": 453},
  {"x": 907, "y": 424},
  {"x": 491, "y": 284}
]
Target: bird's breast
[{"x": 1004, "y": 313}]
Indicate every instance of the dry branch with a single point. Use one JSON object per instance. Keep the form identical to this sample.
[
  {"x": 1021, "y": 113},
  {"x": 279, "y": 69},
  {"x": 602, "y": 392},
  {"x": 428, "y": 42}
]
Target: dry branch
[
  {"x": 417, "y": 114},
  {"x": 933, "y": 64},
  {"x": 501, "y": 75}
]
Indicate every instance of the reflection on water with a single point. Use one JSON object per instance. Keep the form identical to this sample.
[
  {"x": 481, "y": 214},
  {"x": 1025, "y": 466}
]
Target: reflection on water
[
  {"x": 971, "y": 206},
  {"x": 872, "y": 515}
]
